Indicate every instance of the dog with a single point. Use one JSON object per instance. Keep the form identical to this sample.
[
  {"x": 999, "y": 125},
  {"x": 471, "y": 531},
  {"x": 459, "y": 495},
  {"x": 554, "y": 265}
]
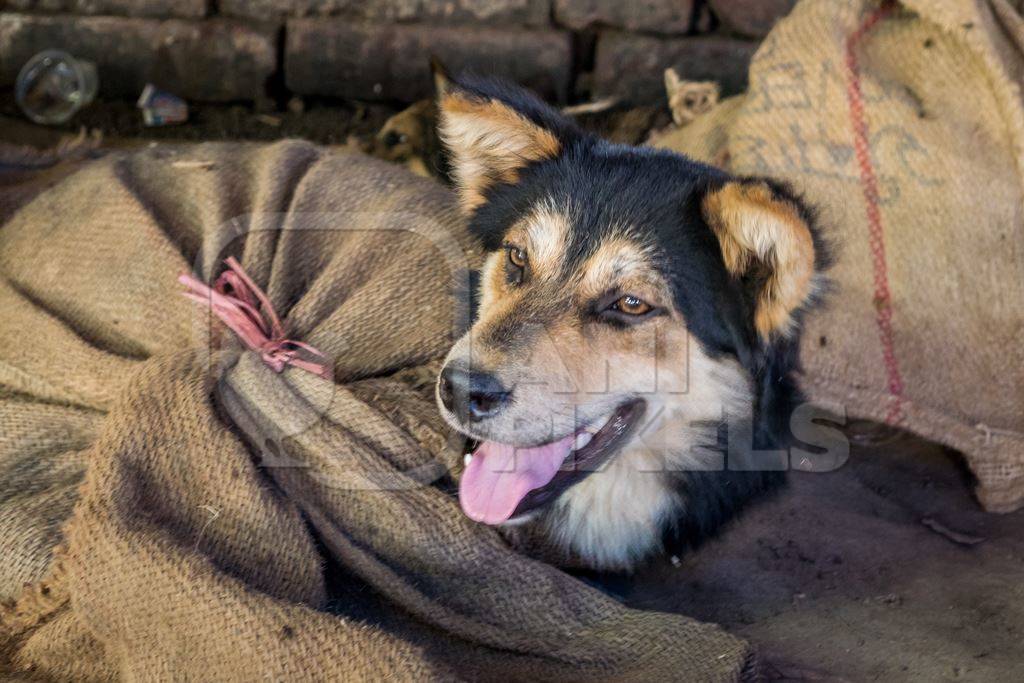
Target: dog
[
  {"x": 629, "y": 373},
  {"x": 410, "y": 138}
]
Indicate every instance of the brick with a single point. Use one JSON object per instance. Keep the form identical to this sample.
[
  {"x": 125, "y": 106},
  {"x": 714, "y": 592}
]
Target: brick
[
  {"x": 263, "y": 10},
  {"x": 750, "y": 17},
  {"x": 633, "y": 66},
  {"x": 390, "y": 62},
  {"x": 129, "y": 8},
  {"x": 496, "y": 12},
  {"x": 215, "y": 60},
  {"x": 657, "y": 16}
]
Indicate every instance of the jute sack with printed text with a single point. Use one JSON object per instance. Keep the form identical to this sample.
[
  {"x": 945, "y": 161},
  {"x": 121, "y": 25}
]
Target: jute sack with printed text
[{"x": 904, "y": 125}]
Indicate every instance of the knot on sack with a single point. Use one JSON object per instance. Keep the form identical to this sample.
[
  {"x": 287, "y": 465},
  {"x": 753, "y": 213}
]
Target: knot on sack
[{"x": 242, "y": 306}]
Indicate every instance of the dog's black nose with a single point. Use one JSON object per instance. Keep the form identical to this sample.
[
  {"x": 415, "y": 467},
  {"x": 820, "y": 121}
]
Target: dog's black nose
[{"x": 477, "y": 395}]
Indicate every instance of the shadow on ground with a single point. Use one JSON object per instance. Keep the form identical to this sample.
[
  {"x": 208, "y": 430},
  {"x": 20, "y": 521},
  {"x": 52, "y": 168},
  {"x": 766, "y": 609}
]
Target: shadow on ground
[{"x": 844, "y": 577}]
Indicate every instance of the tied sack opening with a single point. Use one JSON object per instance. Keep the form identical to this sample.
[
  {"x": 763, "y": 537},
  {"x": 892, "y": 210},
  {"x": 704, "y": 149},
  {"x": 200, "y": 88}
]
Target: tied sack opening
[{"x": 245, "y": 309}]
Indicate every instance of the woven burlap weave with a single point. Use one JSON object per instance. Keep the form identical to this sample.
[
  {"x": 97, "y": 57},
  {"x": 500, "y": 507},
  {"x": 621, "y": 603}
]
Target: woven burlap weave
[
  {"x": 237, "y": 524},
  {"x": 904, "y": 125}
]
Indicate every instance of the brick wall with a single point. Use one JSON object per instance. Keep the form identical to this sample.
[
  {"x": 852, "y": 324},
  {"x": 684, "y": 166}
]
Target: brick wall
[{"x": 246, "y": 50}]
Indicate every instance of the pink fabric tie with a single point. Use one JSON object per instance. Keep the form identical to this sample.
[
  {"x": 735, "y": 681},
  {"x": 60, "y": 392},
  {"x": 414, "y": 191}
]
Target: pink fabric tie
[{"x": 242, "y": 306}]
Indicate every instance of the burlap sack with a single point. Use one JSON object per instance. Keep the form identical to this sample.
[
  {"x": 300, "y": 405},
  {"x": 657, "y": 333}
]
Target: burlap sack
[
  {"x": 904, "y": 125},
  {"x": 237, "y": 524}
]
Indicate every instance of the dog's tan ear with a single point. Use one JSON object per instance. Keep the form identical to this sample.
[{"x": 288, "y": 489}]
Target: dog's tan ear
[
  {"x": 765, "y": 235},
  {"x": 489, "y": 140},
  {"x": 440, "y": 75}
]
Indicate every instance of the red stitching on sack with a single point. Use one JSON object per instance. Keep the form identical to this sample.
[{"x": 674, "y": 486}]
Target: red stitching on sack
[{"x": 876, "y": 233}]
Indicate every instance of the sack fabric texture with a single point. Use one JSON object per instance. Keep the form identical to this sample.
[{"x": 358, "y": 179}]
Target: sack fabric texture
[
  {"x": 903, "y": 124},
  {"x": 173, "y": 509}
]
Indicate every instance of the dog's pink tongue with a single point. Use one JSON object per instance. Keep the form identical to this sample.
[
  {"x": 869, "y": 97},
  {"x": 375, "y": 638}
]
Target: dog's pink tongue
[{"x": 499, "y": 476}]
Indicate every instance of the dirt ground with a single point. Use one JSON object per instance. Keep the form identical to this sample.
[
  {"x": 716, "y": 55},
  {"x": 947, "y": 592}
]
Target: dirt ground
[
  {"x": 320, "y": 121},
  {"x": 842, "y": 578},
  {"x": 327, "y": 122}
]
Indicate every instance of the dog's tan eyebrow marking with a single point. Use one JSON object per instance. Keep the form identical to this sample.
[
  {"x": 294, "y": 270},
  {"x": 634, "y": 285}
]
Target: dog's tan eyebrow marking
[
  {"x": 544, "y": 235},
  {"x": 617, "y": 260}
]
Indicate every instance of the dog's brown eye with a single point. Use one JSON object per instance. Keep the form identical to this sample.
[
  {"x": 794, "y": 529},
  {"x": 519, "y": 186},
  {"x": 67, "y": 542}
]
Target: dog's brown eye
[
  {"x": 631, "y": 305},
  {"x": 517, "y": 257}
]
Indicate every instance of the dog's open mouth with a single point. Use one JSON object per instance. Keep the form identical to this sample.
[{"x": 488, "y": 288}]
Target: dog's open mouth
[{"x": 502, "y": 482}]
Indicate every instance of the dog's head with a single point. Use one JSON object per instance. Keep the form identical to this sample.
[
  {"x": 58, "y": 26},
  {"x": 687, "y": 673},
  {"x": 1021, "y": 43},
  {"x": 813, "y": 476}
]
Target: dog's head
[
  {"x": 629, "y": 295},
  {"x": 405, "y": 135}
]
